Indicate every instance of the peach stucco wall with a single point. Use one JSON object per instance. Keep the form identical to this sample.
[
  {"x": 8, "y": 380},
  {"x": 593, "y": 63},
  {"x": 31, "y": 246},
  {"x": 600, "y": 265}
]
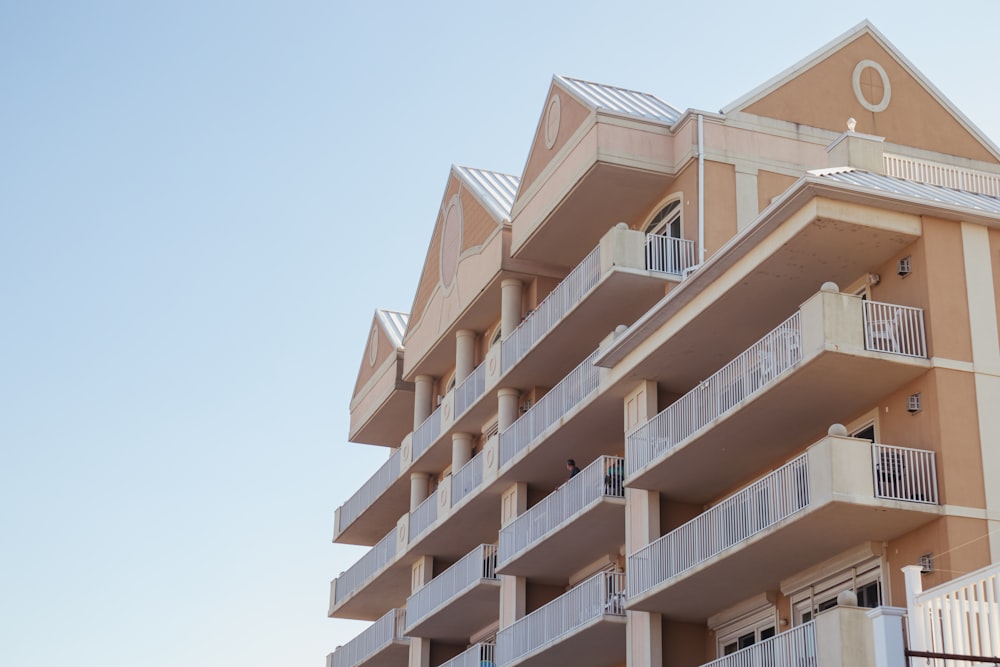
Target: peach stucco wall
[
  {"x": 823, "y": 96},
  {"x": 385, "y": 348},
  {"x": 769, "y": 186},
  {"x": 572, "y": 116}
]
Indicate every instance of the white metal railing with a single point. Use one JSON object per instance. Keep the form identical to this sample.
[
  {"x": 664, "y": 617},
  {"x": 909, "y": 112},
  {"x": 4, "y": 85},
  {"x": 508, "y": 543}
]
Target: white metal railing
[
  {"x": 369, "y": 492},
  {"x": 902, "y": 473},
  {"x": 935, "y": 173},
  {"x": 478, "y": 655},
  {"x": 601, "y": 479},
  {"x": 742, "y": 377},
  {"x": 666, "y": 254},
  {"x": 959, "y": 618},
  {"x": 792, "y": 648},
  {"x": 553, "y": 307},
  {"x": 740, "y": 516},
  {"x": 470, "y": 389},
  {"x": 467, "y": 479},
  {"x": 602, "y": 594},
  {"x": 423, "y": 516},
  {"x": 477, "y": 565},
  {"x": 892, "y": 328},
  {"x": 571, "y": 390},
  {"x": 373, "y": 639},
  {"x": 425, "y": 434},
  {"x": 367, "y": 567}
]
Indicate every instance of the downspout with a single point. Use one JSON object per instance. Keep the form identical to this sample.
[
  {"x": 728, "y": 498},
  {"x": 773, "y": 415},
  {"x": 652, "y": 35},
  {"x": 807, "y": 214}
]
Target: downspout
[{"x": 701, "y": 189}]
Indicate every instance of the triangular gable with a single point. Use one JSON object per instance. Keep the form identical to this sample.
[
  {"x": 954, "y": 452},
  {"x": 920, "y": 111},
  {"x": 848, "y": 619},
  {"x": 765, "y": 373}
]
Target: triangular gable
[
  {"x": 570, "y": 103},
  {"x": 475, "y": 205},
  {"x": 385, "y": 339},
  {"x": 847, "y": 79}
]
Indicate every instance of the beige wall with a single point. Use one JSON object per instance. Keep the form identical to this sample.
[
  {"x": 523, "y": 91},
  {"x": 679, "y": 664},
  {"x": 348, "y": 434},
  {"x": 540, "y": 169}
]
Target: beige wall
[
  {"x": 769, "y": 186},
  {"x": 720, "y": 205},
  {"x": 572, "y": 116},
  {"x": 684, "y": 644}
]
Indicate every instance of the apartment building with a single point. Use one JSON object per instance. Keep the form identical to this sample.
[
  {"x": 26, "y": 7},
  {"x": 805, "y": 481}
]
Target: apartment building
[{"x": 768, "y": 338}]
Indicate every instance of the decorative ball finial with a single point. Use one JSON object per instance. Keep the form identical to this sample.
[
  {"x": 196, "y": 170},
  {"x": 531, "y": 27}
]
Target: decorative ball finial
[{"x": 851, "y": 124}]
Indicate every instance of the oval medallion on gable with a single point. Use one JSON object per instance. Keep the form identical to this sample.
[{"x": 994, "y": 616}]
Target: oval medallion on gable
[{"x": 451, "y": 242}]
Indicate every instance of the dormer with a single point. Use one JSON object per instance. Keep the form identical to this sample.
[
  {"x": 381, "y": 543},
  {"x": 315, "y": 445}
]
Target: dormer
[{"x": 382, "y": 404}]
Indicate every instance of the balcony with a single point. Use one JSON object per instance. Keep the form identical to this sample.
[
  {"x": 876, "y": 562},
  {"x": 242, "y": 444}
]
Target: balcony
[
  {"x": 478, "y": 655},
  {"x": 358, "y": 576},
  {"x": 469, "y": 390},
  {"x": 378, "y": 500},
  {"x": 840, "y": 492},
  {"x": 383, "y": 644},
  {"x": 614, "y": 284},
  {"x": 585, "y": 627},
  {"x": 792, "y": 648},
  {"x": 425, "y": 434},
  {"x": 459, "y": 601},
  {"x": 834, "y": 357},
  {"x": 571, "y": 527}
]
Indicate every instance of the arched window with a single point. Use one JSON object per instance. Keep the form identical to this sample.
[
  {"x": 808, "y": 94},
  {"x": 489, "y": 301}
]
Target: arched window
[{"x": 667, "y": 222}]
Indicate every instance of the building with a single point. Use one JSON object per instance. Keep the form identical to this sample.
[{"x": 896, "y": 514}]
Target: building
[{"x": 767, "y": 336}]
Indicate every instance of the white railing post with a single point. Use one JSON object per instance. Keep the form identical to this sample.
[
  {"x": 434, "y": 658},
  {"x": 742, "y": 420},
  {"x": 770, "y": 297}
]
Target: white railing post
[
  {"x": 903, "y": 473},
  {"x": 887, "y": 631},
  {"x": 915, "y": 624}
]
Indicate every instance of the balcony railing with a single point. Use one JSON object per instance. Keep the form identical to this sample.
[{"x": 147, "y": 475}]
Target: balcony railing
[
  {"x": 477, "y": 655},
  {"x": 742, "y": 377},
  {"x": 945, "y": 175},
  {"x": 602, "y": 594},
  {"x": 793, "y": 648},
  {"x": 601, "y": 479},
  {"x": 470, "y": 389},
  {"x": 665, "y": 254},
  {"x": 423, "y": 516},
  {"x": 571, "y": 390},
  {"x": 425, "y": 434},
  {"x": 902, "y": 473},
  {"x": 474, "y": 567},
  {"x": 373, "y": 639},
  {"x": 369, "y": 491},
  {"x": 467, "y": 479},
  {"x": 740, "y": 516},
  {"x": 896, "y": 329},
  {"x": 552, "y": 309},
  {"x": 367, "y": 567}
]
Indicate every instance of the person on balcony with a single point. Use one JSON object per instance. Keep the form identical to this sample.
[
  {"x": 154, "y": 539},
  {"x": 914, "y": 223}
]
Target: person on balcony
[
  {"x": 571, "y": 467},
  {"x": 613, "y": 479}
]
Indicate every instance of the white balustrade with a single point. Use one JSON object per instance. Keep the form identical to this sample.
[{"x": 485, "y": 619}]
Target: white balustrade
[
  {"x": 896, "y": 329},
  {"x": 600, "y": 479},
  {"x": 477, "y": 565},
  {"x": 742, "y": 377},
  {"x": 478, "y": 655},
  {"x": 600, "y": 595},
  {"x": 367, "y": 567},
  {"x": 467, "y": 479},
  {"x": 960, "y": 617},
  {"x": 792, "y": 648},
  {"x": 571, "y": 390},
  {"x": 423, "y": 516},
  {"x": 369, "y": 492},
  {"x": 665, "y": 254},
  {"x": 552, "y": 309},
  {"x": 935, "y": 173},
  {"x": 470, "y": 389},
  {"x": 902, "y": 473},
  {"x": 373, "y": 639},
  {"x": 425, "y": 434},
  {"x": 737, "y": 518}
]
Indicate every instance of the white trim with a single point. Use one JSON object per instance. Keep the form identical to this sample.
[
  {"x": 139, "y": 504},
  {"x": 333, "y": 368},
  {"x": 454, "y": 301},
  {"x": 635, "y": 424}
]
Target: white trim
[{"x": 882, "y": 104}]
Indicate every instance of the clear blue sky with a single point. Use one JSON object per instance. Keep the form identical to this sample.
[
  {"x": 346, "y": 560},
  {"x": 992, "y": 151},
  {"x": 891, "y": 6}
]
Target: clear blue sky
[{"x": 201, "y": 205}]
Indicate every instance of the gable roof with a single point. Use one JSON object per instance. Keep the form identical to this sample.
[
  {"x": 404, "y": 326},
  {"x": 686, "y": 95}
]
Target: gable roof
[
  {"x": 620, "y": 100},
  {"x": 393, "y": 324},
  {"x": 495, "y": 190},
  {"x": 824, "y": 53}
]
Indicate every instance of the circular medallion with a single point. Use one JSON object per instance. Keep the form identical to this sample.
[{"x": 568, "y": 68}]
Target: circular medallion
[
  {"x": 871, "y": 85},
  {"x": 552, "y": 118},
  {"x": 373, "y": 347}
]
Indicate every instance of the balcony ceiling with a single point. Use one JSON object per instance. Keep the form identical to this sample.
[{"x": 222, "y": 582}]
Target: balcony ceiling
[
  {"x": 607, "y": 194},
  {"x": 389, "y": 423},
  {"x": 761, "y": 562},
  {"x": 772, "y": 425},
  {"x": 380, "y": 517},
  {"x": 599, "y": 644},
  {"x": 461, "y": 616}
]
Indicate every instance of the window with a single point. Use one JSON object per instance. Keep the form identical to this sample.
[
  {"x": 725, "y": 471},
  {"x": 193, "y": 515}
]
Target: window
[
  {"x": 746, "y": 630},
  {"x": 667, "y": 222},
  {"x": 865, "y": 580}
]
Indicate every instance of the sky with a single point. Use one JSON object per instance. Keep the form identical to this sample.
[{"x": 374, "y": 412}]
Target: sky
[{"x": 201, "y": 206}]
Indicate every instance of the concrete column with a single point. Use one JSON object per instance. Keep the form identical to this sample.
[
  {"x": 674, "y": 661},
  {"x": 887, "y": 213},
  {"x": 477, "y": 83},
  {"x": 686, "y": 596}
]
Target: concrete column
[
  {"x": 510, "y": 305},
  {"x": 465, "y": 354},
  {"x": 461, "y": 450},
  {"x": 420, "y": 484},
  {"x": 507, "y": 400},
  {"x": 513, "y": 503},
  {"x": 887, "y": 631},
  {"x": 422, "y": 399}
]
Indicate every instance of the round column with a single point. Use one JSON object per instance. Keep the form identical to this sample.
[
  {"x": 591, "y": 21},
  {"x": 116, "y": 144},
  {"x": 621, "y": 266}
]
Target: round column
[
  {"x": 420, "y": 484},
  {"x": 510, "y": 305},
  {"x": 465, "y": 353},
  {"x": 507, "y": 407},
  {"x": 461, "y": 450},
  {"x": 423, "y": 387}
]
